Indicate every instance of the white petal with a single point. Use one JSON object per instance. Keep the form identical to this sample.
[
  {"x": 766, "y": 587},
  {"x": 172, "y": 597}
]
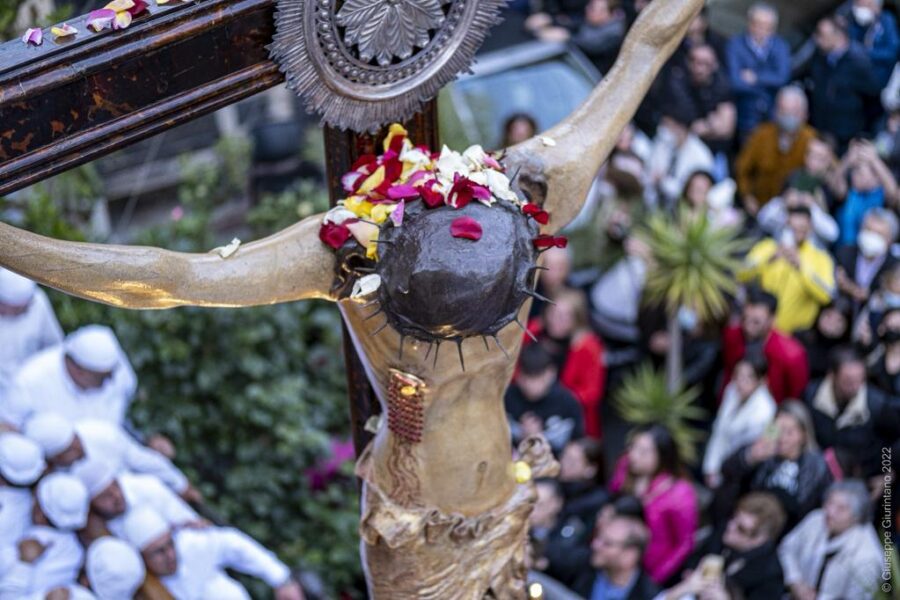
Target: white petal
[
  {"x": 548, "y": 141},
  {"x": 226, "y": 251},
  {"x": 366, "y": 285},
  {"x": 338, "y": 215}
]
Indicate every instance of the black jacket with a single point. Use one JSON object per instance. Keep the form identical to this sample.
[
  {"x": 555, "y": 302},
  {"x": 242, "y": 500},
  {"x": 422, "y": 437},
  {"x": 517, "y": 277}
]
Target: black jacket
[
  {"x": 845, "y": 257},
  {"x": 644, "y": 588}
]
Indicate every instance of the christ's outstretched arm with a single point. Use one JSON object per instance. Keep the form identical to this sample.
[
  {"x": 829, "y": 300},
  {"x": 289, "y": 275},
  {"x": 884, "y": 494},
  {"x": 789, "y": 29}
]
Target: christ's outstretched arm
[
  {"x": 564, "y": 160},
  {"x": 290, "y": 265}
]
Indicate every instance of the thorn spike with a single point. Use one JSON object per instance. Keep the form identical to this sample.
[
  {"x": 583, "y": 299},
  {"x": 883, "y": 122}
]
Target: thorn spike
[
  {"x": 486, "y": 347},
  {"x": 437, "y": 348},
  {"x": 400, "y": 353},
  {"x": 371, "y": 303},
  {"x": 374, "y": 314},
  {"x": 525, "y": 329},
  {"x": 462, "y": 363},
  {"x": 430, "y": 346},
  {"x": 499, "y": 345},
  {"x": 540, "y": 297}
]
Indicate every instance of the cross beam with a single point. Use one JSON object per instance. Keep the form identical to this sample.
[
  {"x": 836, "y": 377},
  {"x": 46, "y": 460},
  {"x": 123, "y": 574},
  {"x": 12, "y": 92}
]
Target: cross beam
[{"x": 64, "y": 104}]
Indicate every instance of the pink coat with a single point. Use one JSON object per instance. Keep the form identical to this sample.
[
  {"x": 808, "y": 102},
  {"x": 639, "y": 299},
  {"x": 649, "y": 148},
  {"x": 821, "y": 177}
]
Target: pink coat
[{"x": 670, "y": 509}]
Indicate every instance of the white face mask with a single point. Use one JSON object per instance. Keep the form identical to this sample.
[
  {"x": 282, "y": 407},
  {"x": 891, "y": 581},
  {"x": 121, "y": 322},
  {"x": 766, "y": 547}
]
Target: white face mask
[
  {"x": 863, "y": 15},
  {"x": 871, "y": 244}
]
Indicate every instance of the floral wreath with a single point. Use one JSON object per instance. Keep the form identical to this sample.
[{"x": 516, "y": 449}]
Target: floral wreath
[{"x": 380, "y": 187}]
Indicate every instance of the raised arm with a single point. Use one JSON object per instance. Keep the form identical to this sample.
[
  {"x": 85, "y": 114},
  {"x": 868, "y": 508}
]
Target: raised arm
[
  {"x": 290, "y": 265},
  {"x": 558, "y": 166}
]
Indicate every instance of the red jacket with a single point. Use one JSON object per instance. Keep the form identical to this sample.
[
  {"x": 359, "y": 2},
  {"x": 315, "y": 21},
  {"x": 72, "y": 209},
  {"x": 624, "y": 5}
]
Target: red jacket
[
  {"x": 788, "y": 367},
  {"x": 583, "y": 374}
]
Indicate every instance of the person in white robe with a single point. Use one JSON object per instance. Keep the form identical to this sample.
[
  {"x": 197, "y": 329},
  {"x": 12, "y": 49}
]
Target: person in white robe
[
  {"x": 49, "y": 554},
  {"x": 87, "y": 376},
  {"x": 27, "y": 324},
  {"x": 114, "y": 568},
  {"x": 113, "y": 495},
  {"x": 21, "y": 464},
  {"x": 187, "y": 560},
  {"x": 65, "y": 443},
  {"x": 834, "y": 553}
]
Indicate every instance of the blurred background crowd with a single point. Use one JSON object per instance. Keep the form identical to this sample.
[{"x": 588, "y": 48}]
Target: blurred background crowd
[
  {"x": 780, "y": 483},
  {"x": 718, "y": 370}
]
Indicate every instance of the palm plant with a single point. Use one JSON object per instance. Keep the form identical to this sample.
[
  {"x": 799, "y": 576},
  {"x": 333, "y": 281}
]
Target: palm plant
[
  {"x": 692, "y": 265},
  {"x": 644, "y": 398}
]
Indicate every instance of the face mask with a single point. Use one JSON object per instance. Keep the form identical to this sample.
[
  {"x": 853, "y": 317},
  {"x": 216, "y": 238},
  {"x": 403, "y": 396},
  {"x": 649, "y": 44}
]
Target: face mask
[
  {"x": 687, "y": 318},
  {"x": 871, "y": 244},
  {"x": 863, "y": 15},
  {"x": 891, "y": 336},
  {"x": 788, "y": 123}
]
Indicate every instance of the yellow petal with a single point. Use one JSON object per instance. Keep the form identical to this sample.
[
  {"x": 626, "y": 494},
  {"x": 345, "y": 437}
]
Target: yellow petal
[
  {"x": 522, "y": 472},
  {"x": 123, "y": 20},
  {"x": 380, "y": 212},
  {"x": 120, "y": 5},
  {"x": 372, "y": 181},
  {"x": 394, "y": 130},
  {"x": 63, "y": 30},
  {"x": 359, "y": 206}
]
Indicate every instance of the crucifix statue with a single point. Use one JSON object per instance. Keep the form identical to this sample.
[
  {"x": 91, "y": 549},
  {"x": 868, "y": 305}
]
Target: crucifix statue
[{"x": 445, "y": 509}]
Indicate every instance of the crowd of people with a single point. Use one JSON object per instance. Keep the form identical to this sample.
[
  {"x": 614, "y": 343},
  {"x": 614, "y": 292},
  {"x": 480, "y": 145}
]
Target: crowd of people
[
  {"x": 797, "y": 151},
  {"x": 90, "y": 508}
]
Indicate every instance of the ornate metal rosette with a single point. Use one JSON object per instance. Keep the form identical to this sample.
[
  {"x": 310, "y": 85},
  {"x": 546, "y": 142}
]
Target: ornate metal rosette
[{"x": 361, "y": 64}]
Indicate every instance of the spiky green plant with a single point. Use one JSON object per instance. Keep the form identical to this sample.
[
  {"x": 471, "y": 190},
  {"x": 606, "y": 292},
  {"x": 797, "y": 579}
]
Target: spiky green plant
[
  {"x": 644, "y": 398},
  {"x": 693, "y": 262}
]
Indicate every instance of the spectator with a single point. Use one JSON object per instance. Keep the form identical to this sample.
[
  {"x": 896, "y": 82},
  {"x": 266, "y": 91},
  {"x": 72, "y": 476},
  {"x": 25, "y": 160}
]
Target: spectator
[
  {"x": 759, "y": 64},
  {"x": 88, "y": 375},
  {"x": 677, "y": 153},
  {"x": 537, "y": 403},
  {"x": 746, "y": 553},
  {"x": 64, "y": 443},
  {"x": 832, "y": 329},
  {"x": 27, "y": 324},
  {"x": 843, "y": 83},
  {"x": 700, "y": 33},
  {"x": 785, "y": 461},
  {"x": 186, "y": 560},
  {"x": 576, "y": 351},
  {"x": 112, "y": 495},
  {"x": 774, "y": 150},
  {"x": 834, "y": 552},
  {"x": 702, "y": 91},
  {"x": 884, "y": 363},
  {"x": 876, "y": 30},
  {"x": 651, "y": 470},
  {"x": 114, "y": 569},
  {"x": 702, "y": 196},
  {"x": 544, "y": 524},
  {"x": 795, "y": 270},
  {"x": 21, "y": 464},
  {"x": 518, "y": 128},
  {"x": 601, "y": 33},
  {"x": 860, "y": 267},
  {"x": 871, "y": 186},
  {"x": 818, "y": 173},
  {"x": 773, "y": 217},
  {"x": 788, "y": 370},
  {"x": 850, "y": 417},
  {"x": 616, "y": 555},
  {"x": 884, "y": 299},
  {"x": 747, "y": 408}
]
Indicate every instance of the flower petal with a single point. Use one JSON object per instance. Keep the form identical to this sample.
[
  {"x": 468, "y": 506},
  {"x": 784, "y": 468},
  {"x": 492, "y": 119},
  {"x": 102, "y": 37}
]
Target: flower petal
[
  {"x": 397, "y": 214},
  {"x": 122, "y": 20},
  {"x": 119, "y": 5},
  {"x": 139, "y": 7},
  {"x": 351, "y": 181},
  {"x": 372, "y": 181},
  {"x": 33, "y": 36},
  {"x": 231, "y": 248},
  {"x": 394, "y": 140},
  {"x": 64, "y": 30},
  {"x": 338, "y": 215},
  {"x": 466, "y": 228},
  {"x": 548, "y": 141},
  {"x": 366, "y": 285},
  {"x": 402, "y": 192},
  {"x": 334, "y": 235},
  {"x": 537, "y": 213},
  {"x": 99, "y": 20},
  {"x": 543, "y": 242}
]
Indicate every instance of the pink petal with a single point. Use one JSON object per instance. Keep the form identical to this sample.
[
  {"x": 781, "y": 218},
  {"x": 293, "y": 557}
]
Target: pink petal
[
  {"x": 99, "y": 20},
  {"x": 402, "y": 192},
  {"x": 417, "y": 177},
  {"x": 490, "y": 161},
  {"x": 397, "y": 214},
  {"x": 466, "y": 227},
  {"x": 33, "y": 36},
  {"x": 480, "y": 192}
]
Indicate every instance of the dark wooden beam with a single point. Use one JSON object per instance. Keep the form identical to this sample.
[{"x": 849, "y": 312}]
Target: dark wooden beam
[
  {"x": 64, "y": 104},
  {"x": 342, "y": 148}
]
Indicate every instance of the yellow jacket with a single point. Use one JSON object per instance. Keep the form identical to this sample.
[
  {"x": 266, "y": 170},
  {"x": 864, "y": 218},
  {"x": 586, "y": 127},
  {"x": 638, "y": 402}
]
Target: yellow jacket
[{"x": 801, "y": 292}]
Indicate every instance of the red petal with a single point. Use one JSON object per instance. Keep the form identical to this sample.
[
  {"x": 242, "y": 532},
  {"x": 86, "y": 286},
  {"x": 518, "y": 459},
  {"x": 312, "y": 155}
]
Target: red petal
[
  {"x": 560, "y": 242},
  {"x": 352, "y": 180},
  {"x": 534, "y": 211},
  {"x": 335, "y": 235},
  {"x": 397, "y": 143},
  {"x": 466, "y": 227},
  {"x": 392, "y": 170},
  {"x": 363, "y": 161},
  {"x": 543, "y": 241},
  {"x": 431, "y": 198},
  {"x": 139, "y": 7}
]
